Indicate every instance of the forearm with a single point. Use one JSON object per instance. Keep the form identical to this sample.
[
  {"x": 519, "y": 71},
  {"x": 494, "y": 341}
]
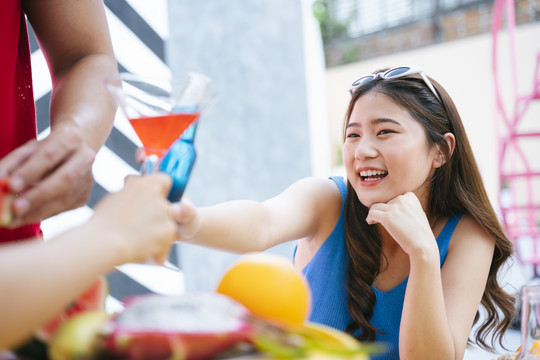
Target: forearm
[
  {"x": 243, "y": 225},
  {"x": 75, "y": 41},
  {"x": 39, "y": 279},
  {"x": 424, "y": 330},
  {"x": 80, "y": 98},
  {"x": 237, "y": 226}
]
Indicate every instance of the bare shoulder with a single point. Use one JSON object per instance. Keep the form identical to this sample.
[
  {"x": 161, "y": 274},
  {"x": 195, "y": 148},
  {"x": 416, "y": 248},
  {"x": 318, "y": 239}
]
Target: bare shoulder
[
  {"x": 467, "y": 228},
  {"x": 317, "y": 193},
  {"x": 470, "y": 238},
  {"x": 313, "y": 203},
  {"x": 321, "y": 185}
]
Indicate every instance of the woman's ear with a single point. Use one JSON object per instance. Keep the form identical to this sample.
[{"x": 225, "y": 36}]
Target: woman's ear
[
  {"x": 451, "y": 141},
  {"x": 440, "y": 159}
]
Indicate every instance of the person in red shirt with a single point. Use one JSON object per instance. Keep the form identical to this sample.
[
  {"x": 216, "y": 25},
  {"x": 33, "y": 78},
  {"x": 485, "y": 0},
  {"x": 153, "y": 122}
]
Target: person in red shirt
[{"x": 54, "y": 174}]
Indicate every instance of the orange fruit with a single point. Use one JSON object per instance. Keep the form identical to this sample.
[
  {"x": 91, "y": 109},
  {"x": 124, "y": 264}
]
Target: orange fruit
[{"x": 269, "y": 286}]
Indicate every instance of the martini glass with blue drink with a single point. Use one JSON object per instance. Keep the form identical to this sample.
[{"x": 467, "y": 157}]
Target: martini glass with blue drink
[{"x": 165, "y": 120}]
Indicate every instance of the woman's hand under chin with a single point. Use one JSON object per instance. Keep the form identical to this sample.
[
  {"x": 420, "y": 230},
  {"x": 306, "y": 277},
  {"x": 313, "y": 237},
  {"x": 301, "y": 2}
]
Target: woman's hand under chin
[{"x": 405, "y": 220}]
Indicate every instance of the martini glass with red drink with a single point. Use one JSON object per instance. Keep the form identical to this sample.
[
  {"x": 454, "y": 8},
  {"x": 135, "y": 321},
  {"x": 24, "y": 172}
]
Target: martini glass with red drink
[{"x": 160, "y": 114}]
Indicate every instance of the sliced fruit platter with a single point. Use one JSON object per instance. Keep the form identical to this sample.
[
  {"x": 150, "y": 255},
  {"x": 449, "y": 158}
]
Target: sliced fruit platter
[{"x": 229, "y": 323}]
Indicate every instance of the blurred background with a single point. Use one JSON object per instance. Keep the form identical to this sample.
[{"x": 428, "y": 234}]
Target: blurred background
[{"x": 282, "y": 69}]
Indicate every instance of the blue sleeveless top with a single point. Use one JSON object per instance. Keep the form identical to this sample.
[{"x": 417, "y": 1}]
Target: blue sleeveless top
[{"x": 326, "y": 275}]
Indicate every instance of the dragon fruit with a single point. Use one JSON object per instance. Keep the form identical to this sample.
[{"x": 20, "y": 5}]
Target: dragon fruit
[{"x": 191, "y": 326}]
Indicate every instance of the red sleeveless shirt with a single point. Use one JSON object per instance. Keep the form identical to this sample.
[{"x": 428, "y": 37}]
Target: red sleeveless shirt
[{"x": 17, "y": 108}]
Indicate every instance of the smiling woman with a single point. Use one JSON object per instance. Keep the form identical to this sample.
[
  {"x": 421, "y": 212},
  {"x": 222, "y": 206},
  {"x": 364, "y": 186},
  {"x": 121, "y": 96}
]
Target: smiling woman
[
  {"x": 403, "y": 250},
  {"x": 425, "y": 150}
]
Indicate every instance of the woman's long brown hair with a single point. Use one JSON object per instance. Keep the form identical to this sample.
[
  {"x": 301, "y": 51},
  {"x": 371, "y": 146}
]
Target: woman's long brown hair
[{"x": 455, "y": 188}]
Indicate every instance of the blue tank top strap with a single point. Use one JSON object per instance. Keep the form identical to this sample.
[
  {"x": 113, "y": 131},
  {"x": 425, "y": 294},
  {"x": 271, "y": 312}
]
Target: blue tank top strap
[
  {"x": 340, "y": 182},
  {"x": 443, "y": 240}
]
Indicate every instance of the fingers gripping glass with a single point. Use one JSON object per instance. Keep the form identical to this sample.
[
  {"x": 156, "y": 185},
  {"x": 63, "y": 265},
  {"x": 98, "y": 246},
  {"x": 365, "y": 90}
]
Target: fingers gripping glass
[{"x": 395, "y": 73}]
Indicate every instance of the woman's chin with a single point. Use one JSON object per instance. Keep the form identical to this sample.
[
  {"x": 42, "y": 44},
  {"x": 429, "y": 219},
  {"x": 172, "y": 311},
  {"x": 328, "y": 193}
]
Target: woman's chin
[{"x": 367, "y": 202}]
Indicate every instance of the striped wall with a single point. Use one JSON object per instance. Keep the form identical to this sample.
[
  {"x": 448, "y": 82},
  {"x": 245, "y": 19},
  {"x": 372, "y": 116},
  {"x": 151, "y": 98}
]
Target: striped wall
[{"x": 139, "y": 31}]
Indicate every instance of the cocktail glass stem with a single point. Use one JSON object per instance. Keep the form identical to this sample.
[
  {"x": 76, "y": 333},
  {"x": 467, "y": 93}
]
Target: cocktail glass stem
[{"x": 150, "y": 164}]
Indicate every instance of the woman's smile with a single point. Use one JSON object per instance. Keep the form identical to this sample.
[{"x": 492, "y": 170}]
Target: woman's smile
[{"x": 371, "y": 176}]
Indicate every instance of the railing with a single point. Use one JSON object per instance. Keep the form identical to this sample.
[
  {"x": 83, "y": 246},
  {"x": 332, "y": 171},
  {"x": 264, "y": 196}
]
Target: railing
[{"x": 363, "y": 17}]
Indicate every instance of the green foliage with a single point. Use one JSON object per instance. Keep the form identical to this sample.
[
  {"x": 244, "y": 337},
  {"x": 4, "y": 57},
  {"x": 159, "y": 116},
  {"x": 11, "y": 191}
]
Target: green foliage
[
  {"x": 351, "y": 53},
  {"x": 330, "y": 28}
]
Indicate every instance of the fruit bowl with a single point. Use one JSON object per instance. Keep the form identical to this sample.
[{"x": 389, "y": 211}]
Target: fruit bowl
[{"x": 193, "y": 326}]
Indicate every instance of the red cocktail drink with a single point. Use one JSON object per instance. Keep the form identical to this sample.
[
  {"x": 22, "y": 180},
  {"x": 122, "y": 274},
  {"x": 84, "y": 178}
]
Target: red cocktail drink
[{"x": 157, "y": 133}]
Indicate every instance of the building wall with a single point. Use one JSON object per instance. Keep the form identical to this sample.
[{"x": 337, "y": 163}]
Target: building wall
[{"x": 445, "y": 25}]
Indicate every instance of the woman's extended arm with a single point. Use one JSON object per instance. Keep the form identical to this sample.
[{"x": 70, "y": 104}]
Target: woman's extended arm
[{"x": 242, "y": 226}]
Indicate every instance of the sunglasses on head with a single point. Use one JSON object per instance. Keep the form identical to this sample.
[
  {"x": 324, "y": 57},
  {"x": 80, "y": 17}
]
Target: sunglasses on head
[{"x": 395, "y": 73}]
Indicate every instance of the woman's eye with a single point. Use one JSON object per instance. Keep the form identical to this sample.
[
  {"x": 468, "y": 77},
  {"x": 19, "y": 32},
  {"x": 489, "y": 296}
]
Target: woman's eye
[
  {"x": 384, "y": 132},
  {"x": 353, "y": 135}
]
